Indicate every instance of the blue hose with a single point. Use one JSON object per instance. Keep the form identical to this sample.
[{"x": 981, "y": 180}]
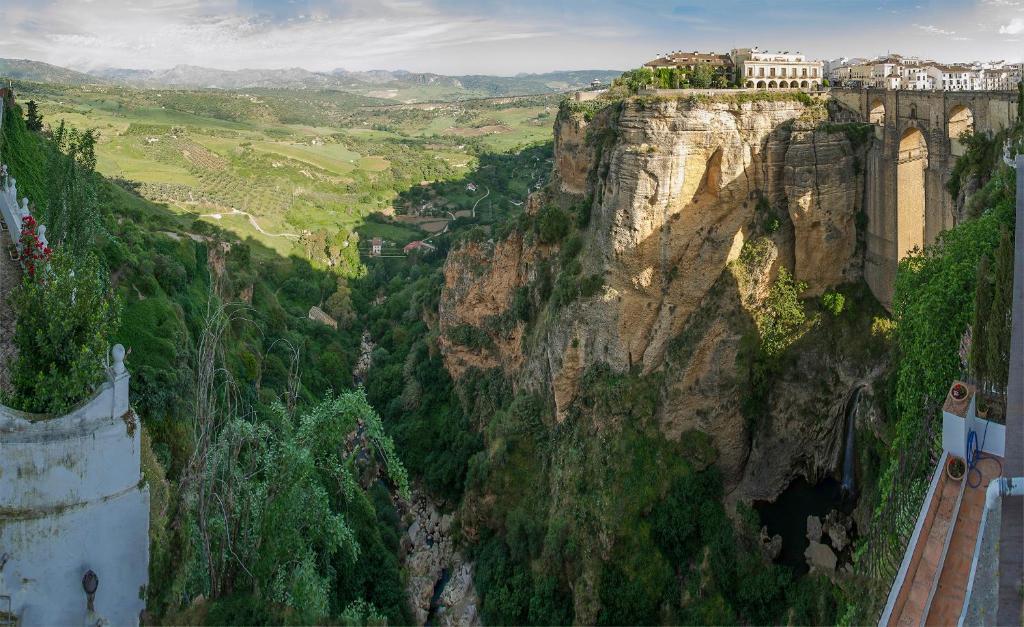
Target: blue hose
[{"x": 975, "y": 454}]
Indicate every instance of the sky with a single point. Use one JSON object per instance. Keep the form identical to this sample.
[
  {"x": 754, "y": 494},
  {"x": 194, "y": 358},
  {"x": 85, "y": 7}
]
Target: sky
[{"x": 492, "y": 36}]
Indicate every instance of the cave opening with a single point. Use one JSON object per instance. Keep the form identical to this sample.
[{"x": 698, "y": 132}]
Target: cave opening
[{"x": 787, "y": 515}]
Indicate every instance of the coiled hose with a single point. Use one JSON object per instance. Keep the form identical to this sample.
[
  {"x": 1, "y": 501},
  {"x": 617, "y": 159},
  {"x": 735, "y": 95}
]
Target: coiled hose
[{"x": 976, "y": 454}]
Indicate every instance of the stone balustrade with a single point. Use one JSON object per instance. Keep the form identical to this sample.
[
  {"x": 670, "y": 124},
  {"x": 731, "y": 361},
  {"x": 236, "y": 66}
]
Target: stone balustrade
[
  {"x": 11, "y": 211},
  {"x": 14, "y": 213},
  {"x": 72, "y": 495}
]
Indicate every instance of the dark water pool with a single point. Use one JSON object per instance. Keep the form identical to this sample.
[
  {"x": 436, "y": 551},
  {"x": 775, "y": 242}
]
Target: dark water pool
[{"x": 787, "y": 516}]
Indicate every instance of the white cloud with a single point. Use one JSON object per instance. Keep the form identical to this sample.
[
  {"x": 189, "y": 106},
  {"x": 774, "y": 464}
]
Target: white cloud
[
  {"x": 935, "y": 30},
  {"x": 1015, "y": 27},
  {"x": 163, "y": 33}
]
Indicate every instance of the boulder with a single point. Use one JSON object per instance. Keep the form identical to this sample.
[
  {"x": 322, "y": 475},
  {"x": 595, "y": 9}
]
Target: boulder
[
  {"x": 836, "y": 527},
  {"x": 837, "y": 536},
  {"x": 771, "y": 546},
  {"x": 814, "y": 529},
  {"x": 820, "y": 558}
]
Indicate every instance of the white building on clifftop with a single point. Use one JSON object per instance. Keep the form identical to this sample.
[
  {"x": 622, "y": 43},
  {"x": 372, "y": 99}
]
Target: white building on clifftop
[{"x": 776, "y": 70}]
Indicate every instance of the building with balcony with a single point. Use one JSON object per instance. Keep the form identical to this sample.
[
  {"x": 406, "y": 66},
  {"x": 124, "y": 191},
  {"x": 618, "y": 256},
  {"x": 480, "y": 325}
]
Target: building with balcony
[{"x": 762, "y": 69}]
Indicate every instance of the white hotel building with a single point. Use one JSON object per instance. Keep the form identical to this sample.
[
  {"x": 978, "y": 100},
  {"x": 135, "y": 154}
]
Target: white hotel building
[{"x": 776, "y": 70}]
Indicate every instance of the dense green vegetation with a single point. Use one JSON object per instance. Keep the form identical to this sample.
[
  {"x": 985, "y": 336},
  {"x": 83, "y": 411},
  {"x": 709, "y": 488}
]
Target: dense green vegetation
[
  {"x": 960, "y": 282},
  {"x": 700, "y": 77},
  {"x": 235, "y": 400},
  {"x": 282, "y": 493}
]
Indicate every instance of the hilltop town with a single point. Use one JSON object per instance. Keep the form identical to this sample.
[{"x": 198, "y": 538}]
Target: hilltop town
[{"x": 762, "y": 69}]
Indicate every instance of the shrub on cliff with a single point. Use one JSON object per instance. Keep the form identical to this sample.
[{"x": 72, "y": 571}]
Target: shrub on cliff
[
  {"x": 66, "y": 315},
  {"x": 552, "y": 225}
]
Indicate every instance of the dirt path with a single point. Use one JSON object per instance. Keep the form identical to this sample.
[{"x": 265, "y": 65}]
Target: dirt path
[
  {"x": 479, "y": 199},
  {"x": 252, "y": 221}
]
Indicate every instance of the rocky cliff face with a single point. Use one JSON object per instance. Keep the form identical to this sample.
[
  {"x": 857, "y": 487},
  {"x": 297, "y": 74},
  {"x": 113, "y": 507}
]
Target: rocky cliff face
[{"x": 675, "y": 192}]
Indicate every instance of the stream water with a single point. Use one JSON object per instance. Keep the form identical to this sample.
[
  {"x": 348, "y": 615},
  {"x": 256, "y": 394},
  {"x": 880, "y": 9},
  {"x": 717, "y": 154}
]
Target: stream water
[{"x": 435, "y": 599}]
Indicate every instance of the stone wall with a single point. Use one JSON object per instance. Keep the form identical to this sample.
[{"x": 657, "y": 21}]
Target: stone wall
[
  {"x": 72, "y": 497},
  {"x": 72, "y": 500}
]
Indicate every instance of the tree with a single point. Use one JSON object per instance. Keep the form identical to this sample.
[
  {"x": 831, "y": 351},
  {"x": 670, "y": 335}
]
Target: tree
[
  {"x": 553, "y": 225},
  {"x": 983, "y": 294},
  {"x": 339, "y": 304},
  {"x": 66, "y": 314},
  {"x": 783, "y": 316},
  {"x": 33, "y": 120},
  {"x": 997, "y": 333},
  {"x": 72, "y": 213},
  {"x": 702, "y": 76}
]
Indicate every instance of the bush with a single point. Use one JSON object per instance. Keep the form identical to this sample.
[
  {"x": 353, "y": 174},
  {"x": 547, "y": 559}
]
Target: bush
[
  {"x": 552, "y": 225},
  {"x": 833, "y": 302},
  {"x": 782, "y": 318},
  {"x": 66, "y": 315}
]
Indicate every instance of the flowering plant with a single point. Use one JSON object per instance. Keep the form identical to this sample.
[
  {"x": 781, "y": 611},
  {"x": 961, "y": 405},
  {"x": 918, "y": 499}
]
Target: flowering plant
[{"x": 32, "y": 251}]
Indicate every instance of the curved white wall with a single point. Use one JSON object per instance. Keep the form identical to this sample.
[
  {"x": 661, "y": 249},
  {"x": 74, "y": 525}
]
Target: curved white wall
[{"x": 71, "y": 500}]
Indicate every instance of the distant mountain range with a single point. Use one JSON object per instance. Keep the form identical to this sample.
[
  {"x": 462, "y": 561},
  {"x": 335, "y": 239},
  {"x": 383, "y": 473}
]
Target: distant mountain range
[{"x": 376, "y": 81}]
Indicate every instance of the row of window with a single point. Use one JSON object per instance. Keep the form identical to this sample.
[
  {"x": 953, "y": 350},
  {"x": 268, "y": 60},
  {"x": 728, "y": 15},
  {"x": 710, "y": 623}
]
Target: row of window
[
  {"x": 783, "y": 84},
  {"x": 782, "y": 72}
]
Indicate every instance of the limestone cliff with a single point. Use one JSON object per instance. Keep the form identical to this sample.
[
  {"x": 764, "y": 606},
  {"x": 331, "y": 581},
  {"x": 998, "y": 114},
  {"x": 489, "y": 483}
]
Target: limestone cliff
[{"x": 675, "y": 190}]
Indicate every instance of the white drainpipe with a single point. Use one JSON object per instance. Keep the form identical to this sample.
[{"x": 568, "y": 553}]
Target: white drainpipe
[{"x": 997, "y": 489}]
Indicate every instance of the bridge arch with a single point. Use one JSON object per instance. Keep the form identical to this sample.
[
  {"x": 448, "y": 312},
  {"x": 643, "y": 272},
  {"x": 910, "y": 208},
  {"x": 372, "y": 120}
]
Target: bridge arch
[
  {"x": 876, "y": 113},
  {"x": 910, "y": 191},
  {"x": 961, "y": 119}
]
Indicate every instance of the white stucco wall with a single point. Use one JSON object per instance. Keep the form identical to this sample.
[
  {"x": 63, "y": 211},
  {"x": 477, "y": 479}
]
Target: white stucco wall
[{"x": 71, "y": 500}]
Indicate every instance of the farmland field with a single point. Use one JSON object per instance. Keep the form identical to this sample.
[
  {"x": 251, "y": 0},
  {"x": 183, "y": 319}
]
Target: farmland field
[{"x": 274, "y": 165}]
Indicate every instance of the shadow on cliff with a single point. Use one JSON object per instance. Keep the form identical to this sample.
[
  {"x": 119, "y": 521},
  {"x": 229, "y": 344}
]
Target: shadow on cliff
[{"x": 694, "y": 321}]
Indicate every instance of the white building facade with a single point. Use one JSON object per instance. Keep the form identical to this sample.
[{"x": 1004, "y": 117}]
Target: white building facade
[{"x": 761, "y": 69}]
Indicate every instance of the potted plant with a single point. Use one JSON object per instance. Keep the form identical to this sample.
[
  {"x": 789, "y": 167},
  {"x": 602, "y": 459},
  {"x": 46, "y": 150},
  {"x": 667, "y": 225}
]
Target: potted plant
[
  {"x": 955, "y": 468},
  {"x": 958, "y": 392},
  {"x": 981, "y": 406}
]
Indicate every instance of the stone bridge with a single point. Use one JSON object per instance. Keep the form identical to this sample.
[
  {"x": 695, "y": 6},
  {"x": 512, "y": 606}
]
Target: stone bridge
[{"x": 915, "y": 148}]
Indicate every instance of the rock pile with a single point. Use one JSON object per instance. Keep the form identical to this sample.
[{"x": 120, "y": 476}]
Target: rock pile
[
  {"x": 822, "y": 557},
  {"x": 429, "y": 551}
]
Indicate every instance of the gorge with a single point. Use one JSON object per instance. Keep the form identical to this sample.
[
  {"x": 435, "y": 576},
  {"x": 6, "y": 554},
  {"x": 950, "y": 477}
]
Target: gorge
[
  {"x": 681, "y": 281},
  {"x": 666, "y": 387}
]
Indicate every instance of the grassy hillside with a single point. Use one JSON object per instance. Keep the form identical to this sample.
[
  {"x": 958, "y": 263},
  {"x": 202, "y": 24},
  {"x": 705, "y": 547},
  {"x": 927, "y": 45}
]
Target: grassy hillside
[
  {"x": 25, "y": 69},
  {"x": 276, "y": 165}
]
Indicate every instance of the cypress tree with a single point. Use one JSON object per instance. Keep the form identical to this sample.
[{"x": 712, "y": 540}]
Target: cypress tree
[
  {"x": 33, "y": 120},
  {"x": 997, "y": 339},
  {"x": 982, "y": 316}
]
